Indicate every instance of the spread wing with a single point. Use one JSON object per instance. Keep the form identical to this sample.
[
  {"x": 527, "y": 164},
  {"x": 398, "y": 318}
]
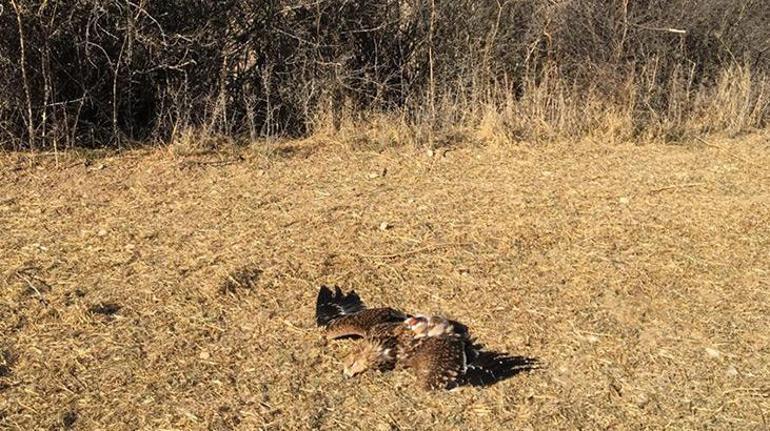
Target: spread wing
[
  {"x": 333, "y": 305},
  {"x": 359, "y": 324},
  {"x": 344, "y": 315},
  {"x": 438, "y": 362}
]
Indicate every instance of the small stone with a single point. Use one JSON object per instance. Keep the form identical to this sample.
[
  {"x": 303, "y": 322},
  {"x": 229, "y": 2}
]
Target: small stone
[
  {"x": 101, "y": 232},
  {"x": 204, "y": 355},
  {"x": 732, "y": 371},
  {"x": 431, "y": 153},
  {"x": 624, "y": 200},
  {"x": 373, "y": 175},
  {"x": 384, "y": 226}
]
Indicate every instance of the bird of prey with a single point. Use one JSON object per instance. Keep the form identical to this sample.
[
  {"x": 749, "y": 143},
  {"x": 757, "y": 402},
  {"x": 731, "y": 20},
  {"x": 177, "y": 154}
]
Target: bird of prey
[{"x": 441, "y": 352}]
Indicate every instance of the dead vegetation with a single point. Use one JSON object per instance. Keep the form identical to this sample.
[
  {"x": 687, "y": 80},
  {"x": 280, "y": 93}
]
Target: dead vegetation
[
  {"x": 109, "y": 73},
  {"x": 144, "y": 295}
]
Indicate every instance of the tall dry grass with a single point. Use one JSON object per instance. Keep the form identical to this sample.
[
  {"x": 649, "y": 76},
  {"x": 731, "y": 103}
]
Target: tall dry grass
[
  {"x": 105, "y": 73},
  {"x": 553, "y": 108}
]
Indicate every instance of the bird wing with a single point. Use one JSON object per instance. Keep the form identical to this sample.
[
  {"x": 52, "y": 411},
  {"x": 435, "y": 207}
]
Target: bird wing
[
  {"x": 331, "y": 305},
  {"x": 438, "y": 362},
  {"x": 359, "y": 324}
]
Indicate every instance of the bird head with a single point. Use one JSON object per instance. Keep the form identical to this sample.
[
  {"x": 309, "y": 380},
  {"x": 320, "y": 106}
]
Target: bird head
[
  {"x": 438, "y": 326},
  {"x": 417, "y": 324}
]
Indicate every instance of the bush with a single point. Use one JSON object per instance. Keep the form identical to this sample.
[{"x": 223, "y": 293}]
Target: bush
[{"x": 105, "y": 72}]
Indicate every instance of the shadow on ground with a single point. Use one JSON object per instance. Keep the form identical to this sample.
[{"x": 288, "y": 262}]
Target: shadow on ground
[{"x": 491, "y": 367}]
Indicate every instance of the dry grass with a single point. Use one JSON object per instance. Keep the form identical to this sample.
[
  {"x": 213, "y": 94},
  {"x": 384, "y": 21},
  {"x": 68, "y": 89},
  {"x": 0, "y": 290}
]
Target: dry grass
[
  {"x": 161, "y": 290},
  {"x": 555, "y": 109}
]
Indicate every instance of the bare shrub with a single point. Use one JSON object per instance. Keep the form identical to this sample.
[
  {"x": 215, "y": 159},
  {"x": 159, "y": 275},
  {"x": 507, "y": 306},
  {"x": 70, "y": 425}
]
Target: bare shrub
[{"x": 106, "y": 73}]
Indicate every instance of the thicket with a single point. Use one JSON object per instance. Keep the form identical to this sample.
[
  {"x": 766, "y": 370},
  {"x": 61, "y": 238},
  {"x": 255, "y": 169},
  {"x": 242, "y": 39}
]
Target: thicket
[{"x": 100, "y": 73}]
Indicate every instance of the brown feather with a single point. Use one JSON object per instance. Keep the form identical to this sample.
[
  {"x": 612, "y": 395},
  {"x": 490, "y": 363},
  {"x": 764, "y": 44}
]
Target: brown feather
[
  {"x": 359, "y": 324},
  {"x": 380, "y": 350},
  {"x": 438, "y": 362}
]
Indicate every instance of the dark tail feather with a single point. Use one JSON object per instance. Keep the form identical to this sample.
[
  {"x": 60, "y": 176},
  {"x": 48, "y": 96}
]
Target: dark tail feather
[
  {"x": 331, "y": 305},
  {"x": 488, "y": 367}
]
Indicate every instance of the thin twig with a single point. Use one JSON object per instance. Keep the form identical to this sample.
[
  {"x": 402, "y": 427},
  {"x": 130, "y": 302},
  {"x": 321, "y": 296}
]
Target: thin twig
[
  {"x": 666, "y": 29},
  {"x": 72, "y": 165},
  {"x": 676, "y": 186},
  {"x": 729, "y": 153},
  {"x": 217, "y": 163},
  {"x": 33, "y": 288}
]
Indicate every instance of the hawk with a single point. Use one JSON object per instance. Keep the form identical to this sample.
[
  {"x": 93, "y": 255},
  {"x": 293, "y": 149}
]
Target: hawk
[{"x": 440, "y": 352}]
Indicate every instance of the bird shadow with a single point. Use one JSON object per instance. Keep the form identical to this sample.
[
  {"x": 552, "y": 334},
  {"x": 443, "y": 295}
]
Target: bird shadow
[{"x": 491, "y": 367}]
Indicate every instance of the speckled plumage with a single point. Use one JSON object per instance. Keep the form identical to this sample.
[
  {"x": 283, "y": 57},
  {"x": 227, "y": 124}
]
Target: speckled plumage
[
  {"x": 362, "y": 322},
  {"x": 344, "y": 315},
  {"x": 444, "y": 355},
  {"x": 439, "y": 351},
  {"x": 439, "y": 362},
  {"x": 383, "y": 329},
  {"x": 382, "y": 347}
]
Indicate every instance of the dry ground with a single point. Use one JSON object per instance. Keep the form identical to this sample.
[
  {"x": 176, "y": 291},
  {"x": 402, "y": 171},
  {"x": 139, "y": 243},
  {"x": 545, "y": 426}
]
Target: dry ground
[{"x": 638, "y": 275}]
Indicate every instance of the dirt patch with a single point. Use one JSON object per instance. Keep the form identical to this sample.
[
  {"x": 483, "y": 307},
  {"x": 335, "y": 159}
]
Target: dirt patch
[
  {"x": 242, "y": 278},
  {"x": 144, "y": 296}
]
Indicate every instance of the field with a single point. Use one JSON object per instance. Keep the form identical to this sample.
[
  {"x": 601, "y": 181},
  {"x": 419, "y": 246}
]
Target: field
[{"x": 163, "y": 289}]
